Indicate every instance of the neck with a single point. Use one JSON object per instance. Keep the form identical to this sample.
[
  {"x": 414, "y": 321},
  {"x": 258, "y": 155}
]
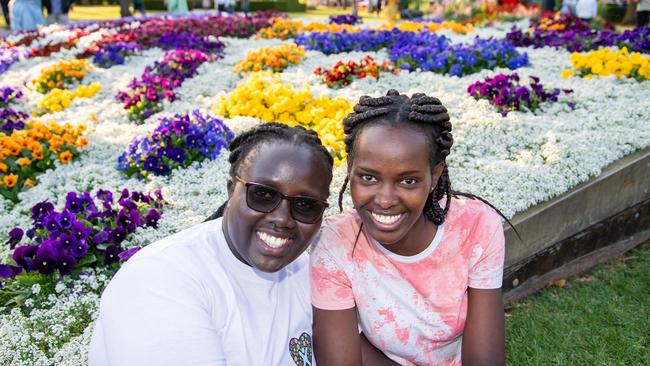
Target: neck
[
  {"x": 416, "y": 240},
  {"x": 231, "y": 246}
]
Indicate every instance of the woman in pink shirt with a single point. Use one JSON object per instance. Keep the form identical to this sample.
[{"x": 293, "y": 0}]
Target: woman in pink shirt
[{"x": 413, "y": 274}]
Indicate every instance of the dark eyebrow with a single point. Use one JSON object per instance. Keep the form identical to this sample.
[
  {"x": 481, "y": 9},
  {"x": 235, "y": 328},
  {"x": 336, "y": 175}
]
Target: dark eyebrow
[{"x": 401, "y": 174}]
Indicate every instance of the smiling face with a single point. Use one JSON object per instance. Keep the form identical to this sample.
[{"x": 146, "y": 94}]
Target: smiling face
[
  {"x": 270, "y": 241},
  {"x": 390, "y": 180}
]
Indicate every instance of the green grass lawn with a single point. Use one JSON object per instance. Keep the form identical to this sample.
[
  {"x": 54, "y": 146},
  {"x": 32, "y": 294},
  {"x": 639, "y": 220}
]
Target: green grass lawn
[{"x": 599, "y": 319}]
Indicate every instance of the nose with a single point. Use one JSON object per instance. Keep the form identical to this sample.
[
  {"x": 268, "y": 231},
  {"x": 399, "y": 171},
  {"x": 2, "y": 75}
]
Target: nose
[
  {"x": 385, "y": 196},
  {"x": 281, "y": 215}
]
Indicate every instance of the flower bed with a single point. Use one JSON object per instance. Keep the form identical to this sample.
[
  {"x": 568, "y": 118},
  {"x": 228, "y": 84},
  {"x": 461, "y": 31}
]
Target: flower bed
[
  {"x": 88, "y": 233},
  {"x": 345, "y": 19},
  {"x": 60, "y": 75},
  {"x": 114, "y": 54},
  {"x": 57, "y": 100},
  {"x": 607, "y": 62},
  {"x": 189, "y": 41},
  {"x": 409, "y": 26},
  {"x": 343, "y": 73},
  {"x": 285, "y": 28},
  {"x": 333, "y": 42},
  {"x": 506, "y": 93},
  {"x": 144, "y": 96},
  {"x": 424, "y": 50},
  {"x": 9, "y": 95},
  {"x": 275, "y": 58},
  {"x": 575, "y": 35},
  {"x": 28, "y": 152},
  {"x": 514, "y": 162},
  {"x": 266, "y": 97},
  {"x": 11, "y": 120},
  {"x": 428, "y": 52},
  {"x": 8, "y": 56},
  {"x": 175, "y": 143}
]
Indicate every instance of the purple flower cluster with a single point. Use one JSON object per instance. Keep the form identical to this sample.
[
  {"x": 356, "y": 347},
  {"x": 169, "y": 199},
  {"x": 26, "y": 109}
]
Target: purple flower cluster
[
  {"x": 144, "y": 96},
  {"x": 429, "y": 52},
  {"x": 339, "y": 42},
  {"x": 576, "y": 36},
  {"x": 189, "y": 41},
  {"x": 86, "y": 233},
  {"x": 176, "y": 142},
  {"x": 7, "y": 57},
  {"x": 506, "y": 93},
  {"x": 8, "y": 95},
  {"x": 426, "y": 51},
  {"x": 345, "y": 19},
  {"x": 115, "y": 54},
  {"x": 12, "y": 120}
]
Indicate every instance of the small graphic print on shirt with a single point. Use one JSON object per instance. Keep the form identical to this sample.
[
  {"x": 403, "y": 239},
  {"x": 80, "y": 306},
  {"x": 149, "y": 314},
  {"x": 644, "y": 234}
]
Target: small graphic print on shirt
[{"x": 300, "y": 350}]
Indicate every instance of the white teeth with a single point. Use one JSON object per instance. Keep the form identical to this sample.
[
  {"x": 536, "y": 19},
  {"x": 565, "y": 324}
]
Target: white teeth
[
  {"x": 386, "y": 219},
  {"x": 272, "y": 241}
]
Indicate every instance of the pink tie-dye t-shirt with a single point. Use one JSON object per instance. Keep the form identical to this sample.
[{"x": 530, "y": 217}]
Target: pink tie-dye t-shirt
[{"x": 412, "y": 308}]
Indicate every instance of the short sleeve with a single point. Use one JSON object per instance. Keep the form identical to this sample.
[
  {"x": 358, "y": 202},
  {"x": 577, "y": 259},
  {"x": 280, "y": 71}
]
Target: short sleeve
[
  {"x": 153, "y": 314},
  {"x": 331, "y": 288},
  {"x": 486, "y": 270}
]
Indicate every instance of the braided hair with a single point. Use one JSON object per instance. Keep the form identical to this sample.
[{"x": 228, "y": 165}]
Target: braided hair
[
  {"x": 423, "y": 112},
  {"x": 420, "y": 111},
  {"x": 242, "y": 145}
]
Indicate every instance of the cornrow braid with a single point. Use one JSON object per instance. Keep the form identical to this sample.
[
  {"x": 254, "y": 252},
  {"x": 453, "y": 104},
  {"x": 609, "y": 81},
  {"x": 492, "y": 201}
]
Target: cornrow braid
[
  {"x": 421, "y": 110},
  {"x": 250, "y": 140}
]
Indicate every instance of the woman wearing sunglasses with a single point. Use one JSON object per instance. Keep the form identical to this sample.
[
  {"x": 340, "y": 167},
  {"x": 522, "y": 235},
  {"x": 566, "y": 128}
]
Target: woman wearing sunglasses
[{"x": 235, "y": 289}]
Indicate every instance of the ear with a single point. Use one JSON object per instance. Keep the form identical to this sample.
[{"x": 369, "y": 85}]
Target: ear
[
  {"x": 230, "y": 185},
  {"x": 436, "y": 173}
]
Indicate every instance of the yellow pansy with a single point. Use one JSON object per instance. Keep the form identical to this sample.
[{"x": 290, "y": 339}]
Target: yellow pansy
[{"x": 265, "y": 96}]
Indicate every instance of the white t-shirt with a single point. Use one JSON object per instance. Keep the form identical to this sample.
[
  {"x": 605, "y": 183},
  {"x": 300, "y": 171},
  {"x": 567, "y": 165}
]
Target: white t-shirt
[{"x": 186, "y": 300}]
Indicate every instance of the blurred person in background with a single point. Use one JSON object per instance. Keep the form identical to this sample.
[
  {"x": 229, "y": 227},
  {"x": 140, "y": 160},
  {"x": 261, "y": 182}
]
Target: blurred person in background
[
  {"x": 57, "y": 11},
  {"x": 138, "y": 5},
  {"x": 642, "y": 12},
  {"x": 124, "y": 8},
  {"x": 5, "y": 12},
  {"x": 177, "y": 6},
  {"x": 587, "y": 9},
  {"x": 25, "y": 14}
]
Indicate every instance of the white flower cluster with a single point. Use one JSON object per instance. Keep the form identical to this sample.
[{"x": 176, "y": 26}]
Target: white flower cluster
[
  {"x": 514, "y": 162},
  {"x": 57, "y": 329}
]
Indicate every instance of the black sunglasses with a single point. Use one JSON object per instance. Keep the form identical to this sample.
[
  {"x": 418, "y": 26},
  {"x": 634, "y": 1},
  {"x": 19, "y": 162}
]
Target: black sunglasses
[{"x": 265, "y": 199}]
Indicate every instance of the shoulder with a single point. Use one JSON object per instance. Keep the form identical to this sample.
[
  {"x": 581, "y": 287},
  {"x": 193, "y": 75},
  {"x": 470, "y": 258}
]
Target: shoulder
[
  {"x": 340, "y": 230},
  {"x": 191, "y": 244},
  {"x": 177, "y": 261},
  {"x": 472, "y": 217}
]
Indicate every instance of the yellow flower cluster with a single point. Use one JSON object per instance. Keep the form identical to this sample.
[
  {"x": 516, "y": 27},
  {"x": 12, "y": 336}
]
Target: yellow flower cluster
[
  {"x": 264, "y": 96},
  {"x": 285, "y": 28},
  {"x": 605, "y": 62},
  {"x": 32, "y": 150},
  {"x": 60, "y": 74},
  {"x": 275, "y": 58},
  {"x": 408, "y": 26},
  {"x": 59, "y": 99}
]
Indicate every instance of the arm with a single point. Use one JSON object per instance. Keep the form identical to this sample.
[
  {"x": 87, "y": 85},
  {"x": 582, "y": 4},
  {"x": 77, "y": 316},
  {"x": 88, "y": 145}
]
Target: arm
[
  {"x": 484, "y": 334},
  {"x": 372, "y": 356},
  {"x": 337, "y": 340},
  {"x": 336, "y": 337}
]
